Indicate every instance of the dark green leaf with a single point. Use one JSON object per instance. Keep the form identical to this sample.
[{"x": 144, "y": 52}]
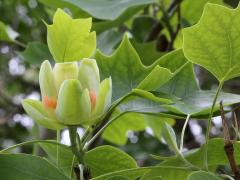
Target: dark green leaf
[
  {"x": 200, "y": 175},
  {"x": 106, "y": 159},
  {"x": 27, "y": 167},
  {"x": 108, "y": 40},
  {"x": 108, "y": 10},
  {"x": 200, "y": 102},
  {"x": 35, "y": 53},
  {"x": 61, "y": 156}
]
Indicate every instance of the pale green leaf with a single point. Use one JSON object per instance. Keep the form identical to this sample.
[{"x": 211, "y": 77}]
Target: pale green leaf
[
  {"x": 70, "y": 39},
  {"x": 213, "y": 42},
  {"x": 191, "y": 12},
  {"x": 117, "y": 132}
]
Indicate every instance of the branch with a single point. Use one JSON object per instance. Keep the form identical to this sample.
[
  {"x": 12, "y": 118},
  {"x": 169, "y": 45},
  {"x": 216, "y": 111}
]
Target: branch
[{"x": 228, "y": 146}]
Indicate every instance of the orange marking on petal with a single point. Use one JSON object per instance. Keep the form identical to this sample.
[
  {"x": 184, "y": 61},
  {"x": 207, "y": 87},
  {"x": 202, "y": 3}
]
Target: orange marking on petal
[
  {"x": 93, "y": 98},
  {"x": 49, "y": 102}
]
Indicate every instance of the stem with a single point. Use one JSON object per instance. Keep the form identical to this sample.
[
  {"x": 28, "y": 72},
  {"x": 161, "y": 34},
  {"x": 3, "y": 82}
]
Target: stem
[
  {"x": 209, "y": 125},
  {"x": 81, "y": 168},
  {"x": 190, "y": 165},
  {"x": 101, "y": 130},
  {"x": 20, "y": 43},
  {"x": 174, "y": 35},
  {"x": 73, "y": 137},
  {"x": 58, "y": 140},
  {"x": 226, "y": 176},
  {"x": 183, "y": 132},
  {"x": 35, "y": 134},
  {"x": 71, "y": 173},
  {"x": 30, "y": 142}
]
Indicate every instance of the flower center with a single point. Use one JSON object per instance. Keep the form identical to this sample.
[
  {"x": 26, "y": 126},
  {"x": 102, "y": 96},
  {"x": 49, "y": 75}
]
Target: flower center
[
  {"x": 93, "y": 98},
  {"x": 49, "y": 102}
]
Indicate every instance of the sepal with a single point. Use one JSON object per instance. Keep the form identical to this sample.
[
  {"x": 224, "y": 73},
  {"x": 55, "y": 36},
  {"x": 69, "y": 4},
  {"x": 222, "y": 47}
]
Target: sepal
[{"x": 36, "y": 111}]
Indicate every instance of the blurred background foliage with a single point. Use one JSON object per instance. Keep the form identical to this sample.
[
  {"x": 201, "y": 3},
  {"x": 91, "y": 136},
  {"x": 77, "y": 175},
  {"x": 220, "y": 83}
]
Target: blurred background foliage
[{"x": 154, "y": 28}]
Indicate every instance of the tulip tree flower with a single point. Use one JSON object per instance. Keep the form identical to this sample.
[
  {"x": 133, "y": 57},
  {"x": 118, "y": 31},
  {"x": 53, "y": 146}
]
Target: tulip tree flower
[{"x": 71, "y": 95}]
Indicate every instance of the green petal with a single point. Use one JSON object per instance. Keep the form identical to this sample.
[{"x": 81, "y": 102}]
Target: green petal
[
  {"x": 104, "y": 98},
  {"x": 63, "y": 71},
  {"x": 46, "y": 80},
  {"x": 69, "y": 102},
  {"x": 85, "y": 109},
  {"x": 37, "y": 112},
  {"x": 89, "y": 75}
]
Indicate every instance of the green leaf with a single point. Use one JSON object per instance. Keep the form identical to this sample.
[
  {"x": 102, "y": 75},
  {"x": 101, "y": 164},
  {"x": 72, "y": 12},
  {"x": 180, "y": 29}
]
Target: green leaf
[
  {"x": 117, "y": 132},
  {"x": 170, "y": 137},
  {"x": 152, "y": 81},
  {"x": 61, "y": 156},
  {"x": 174, "y": 61},
  {"x": 27, "y": 167},
  {"x": 191, "y": 12},
  {"x": 147, "y": 52},
  {"x": 127, "y": 70},
  {"x": 184, "y": 81},
  {"x": 106, "y": 159},
  {"x": 148, "y": 95},
  {"x": 6, "y": 33},
  {"x": 216, "y": 155},
  {"x": 35, "y": 53},
  {"x": 167, "y": 173},
  {"x": 108, "y": 10},
  {"x": 117, "y": 178},
  {"x": 212, "y": 42},
  {"x": 70, "y": 39},
  {"x": 157, "y": 124},
  {"x": 200, "y": 102},
  {"x": 199, "y": 175},
  {"x": 133, "y": 173}
]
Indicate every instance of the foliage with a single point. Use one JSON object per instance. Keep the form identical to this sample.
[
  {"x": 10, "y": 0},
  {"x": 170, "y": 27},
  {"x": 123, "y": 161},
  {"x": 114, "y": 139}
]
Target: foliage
[{"x": 120, "y": 68}]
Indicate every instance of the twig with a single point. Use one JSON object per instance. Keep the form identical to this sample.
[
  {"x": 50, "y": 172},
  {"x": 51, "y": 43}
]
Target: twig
[
  {"x": 228, "y": 146},
  {"x": 174, "y": 35},
  {"x": 183, "y": 132},
  {"x": 157, "y": 27}
]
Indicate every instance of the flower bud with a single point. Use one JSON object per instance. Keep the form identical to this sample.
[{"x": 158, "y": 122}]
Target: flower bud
[
  {"x": 88, "y": 75},
  {"x": 63, "y": 71}
]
